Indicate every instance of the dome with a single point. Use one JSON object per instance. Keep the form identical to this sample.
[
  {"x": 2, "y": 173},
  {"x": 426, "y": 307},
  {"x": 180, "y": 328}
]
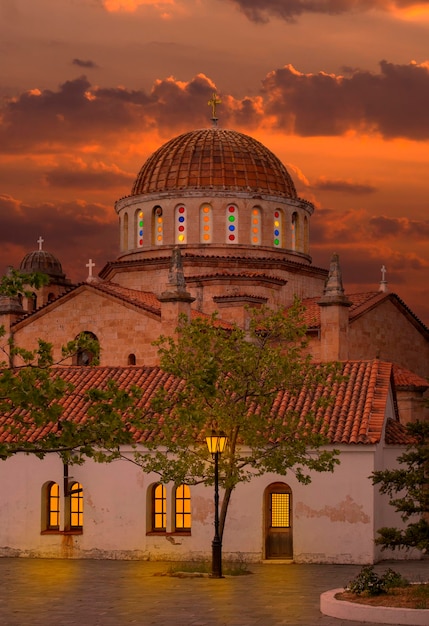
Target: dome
[
  {"x": 214, "y": 159},
  {"x": 42, "y": 261}
]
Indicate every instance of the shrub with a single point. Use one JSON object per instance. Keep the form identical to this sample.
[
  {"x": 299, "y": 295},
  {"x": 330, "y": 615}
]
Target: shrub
[{"x": 369, "y": 583}]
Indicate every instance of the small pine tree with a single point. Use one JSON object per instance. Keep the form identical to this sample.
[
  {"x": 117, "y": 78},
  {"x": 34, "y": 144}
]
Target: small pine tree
[{"x": 408, "y": 489}]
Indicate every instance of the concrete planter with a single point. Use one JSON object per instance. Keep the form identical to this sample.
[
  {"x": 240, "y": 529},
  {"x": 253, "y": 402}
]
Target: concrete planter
[{"x": 375, "y": 614}]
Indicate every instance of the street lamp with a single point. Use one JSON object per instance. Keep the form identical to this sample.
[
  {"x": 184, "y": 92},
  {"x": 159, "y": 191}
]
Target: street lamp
[{"x": 216, "y": 443}]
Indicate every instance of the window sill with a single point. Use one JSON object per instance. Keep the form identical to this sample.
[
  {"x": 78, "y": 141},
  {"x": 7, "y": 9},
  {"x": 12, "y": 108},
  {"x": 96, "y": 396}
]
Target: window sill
[
  {"x": 62, "y": 532},
  {"x": 177, "y": 533}
]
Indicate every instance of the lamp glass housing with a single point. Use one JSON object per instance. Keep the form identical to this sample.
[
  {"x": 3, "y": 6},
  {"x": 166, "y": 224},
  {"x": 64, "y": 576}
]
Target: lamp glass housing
[{"x": 216, "y": 442}]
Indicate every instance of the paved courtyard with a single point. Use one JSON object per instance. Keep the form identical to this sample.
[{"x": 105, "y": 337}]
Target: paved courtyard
[{"x": 47, "y": 592}]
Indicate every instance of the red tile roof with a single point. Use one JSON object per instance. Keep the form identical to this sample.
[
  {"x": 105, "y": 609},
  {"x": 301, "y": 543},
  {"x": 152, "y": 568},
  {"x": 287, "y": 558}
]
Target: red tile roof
[
  {"x": 408, "y": 380},
  {"x": 357, "y": 415},
  {"x": 361, "y": 303}
]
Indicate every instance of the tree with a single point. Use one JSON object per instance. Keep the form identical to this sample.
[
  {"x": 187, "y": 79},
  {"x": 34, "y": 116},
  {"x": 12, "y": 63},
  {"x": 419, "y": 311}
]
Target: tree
[
  {"x": 408, "y": 489},
  {"x": 32, "y": 391},
  {"x": 238, "y": 382}
]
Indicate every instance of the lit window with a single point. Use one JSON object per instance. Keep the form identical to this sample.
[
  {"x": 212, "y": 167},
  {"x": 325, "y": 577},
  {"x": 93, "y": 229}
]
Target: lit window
[
  {"x": 53, "y": 503},
  {"x": 205, "y": 223},
  {"x": 278, "y": 229},
  {"x": 140, "y": 228},
  {"x": 76, "y": 506},
  {"x": 255, "y": 227},
  {"x": 158, "y": 226},
  {"x": 159, "y": 508},
  {"x": 231, "y": 224},
  {"x": 180, "y": 214},
  {"x": 280, "y": 510},
  {"x": 183, "y": 508}
]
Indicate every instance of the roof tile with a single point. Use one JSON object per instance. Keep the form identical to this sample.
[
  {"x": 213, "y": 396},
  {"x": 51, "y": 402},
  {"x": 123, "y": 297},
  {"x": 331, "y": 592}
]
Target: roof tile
[{"x": 356, "y": 416}]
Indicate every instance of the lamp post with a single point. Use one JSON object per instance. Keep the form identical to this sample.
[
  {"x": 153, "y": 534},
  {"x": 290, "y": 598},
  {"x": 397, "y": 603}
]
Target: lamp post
[{"x": 216, "y": 443}]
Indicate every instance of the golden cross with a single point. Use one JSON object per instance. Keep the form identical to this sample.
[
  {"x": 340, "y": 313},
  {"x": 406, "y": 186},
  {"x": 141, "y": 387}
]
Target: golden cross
[{"x": 213, "y": 102}]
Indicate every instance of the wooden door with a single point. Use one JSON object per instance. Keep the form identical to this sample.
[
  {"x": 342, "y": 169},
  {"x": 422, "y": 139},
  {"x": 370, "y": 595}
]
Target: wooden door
[{"x": 278, "y": 522}]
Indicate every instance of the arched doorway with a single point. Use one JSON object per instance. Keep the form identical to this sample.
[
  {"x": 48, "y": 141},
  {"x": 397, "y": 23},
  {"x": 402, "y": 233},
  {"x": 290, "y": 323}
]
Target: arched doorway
[{"x": 278, "y": 521}]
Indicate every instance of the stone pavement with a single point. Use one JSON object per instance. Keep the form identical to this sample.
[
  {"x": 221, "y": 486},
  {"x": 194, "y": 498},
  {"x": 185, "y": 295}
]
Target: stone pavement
[{"x": 48, "y": 592}]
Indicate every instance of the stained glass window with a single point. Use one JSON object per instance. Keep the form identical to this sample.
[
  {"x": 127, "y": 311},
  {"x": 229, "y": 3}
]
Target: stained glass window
[
  {"x": 206, "y": 223},
  {"x": 183, "y": 508},
  {"x": 181, "y": 226},
  {"x": 255, "y": 227},
  {"x": 232, "y": 224}
]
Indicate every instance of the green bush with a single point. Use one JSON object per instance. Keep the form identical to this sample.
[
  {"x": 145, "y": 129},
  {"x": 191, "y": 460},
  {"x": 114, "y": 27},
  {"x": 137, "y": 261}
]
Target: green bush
[{"x": 369, "y": 583}]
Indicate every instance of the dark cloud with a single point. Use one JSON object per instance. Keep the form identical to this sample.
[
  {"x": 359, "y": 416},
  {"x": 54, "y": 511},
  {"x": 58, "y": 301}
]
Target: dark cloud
[
  {"x": 88, "y": 178},
  {"x": 342, "y": 186},
  {"x": 86, "y": 64},
  {"x": 383, "y": 226},
  {"x": 393, "y": 103},
  {"x": 79, "y": 229},
  {"x": 78, "y": 114},
  {"x": 261, "y": 11}
]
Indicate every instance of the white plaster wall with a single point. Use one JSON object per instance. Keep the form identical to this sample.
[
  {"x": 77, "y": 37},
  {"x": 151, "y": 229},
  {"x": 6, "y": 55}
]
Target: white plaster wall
[{"x": 333, "y": 517}]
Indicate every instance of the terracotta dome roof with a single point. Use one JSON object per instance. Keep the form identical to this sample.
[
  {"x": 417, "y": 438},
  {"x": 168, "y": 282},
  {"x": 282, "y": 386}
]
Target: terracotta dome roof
[
  {"x": 216, "y": 159},
  {"x": 42, "y": 261}
]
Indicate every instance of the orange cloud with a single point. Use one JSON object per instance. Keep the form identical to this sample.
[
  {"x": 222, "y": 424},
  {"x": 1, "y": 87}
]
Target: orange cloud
[{"x": 130, "y": 6}]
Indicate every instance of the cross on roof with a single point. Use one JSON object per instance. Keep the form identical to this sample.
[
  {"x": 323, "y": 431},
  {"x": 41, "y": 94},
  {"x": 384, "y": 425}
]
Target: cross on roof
[
  {"x": 90, "y": 265},
  {"x": 40, "y": 241},
  {"x": 383, "y": 272}
]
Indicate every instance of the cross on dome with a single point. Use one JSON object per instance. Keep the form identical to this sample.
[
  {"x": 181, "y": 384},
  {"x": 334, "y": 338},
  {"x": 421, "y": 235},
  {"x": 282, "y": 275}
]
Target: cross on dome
[
  {"x": 213, "y": 102},
  {"x": 40, "y": 242}
]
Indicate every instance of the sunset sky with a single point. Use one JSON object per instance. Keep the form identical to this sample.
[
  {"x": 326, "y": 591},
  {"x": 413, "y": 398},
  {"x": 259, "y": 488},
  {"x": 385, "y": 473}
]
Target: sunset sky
[{"x": 337, "y": 89}]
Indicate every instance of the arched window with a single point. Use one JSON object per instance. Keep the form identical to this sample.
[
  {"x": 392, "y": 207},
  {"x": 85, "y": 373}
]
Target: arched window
[
  {"x": 255, "y": 227},
  {"x": 51, "y": 497},
  {"x": 140, "y": 228},
  {"x": 125, "y": 232},
  {"x": 295, "y": 231},
  {"x": 131, "y": 359},
  {"x": 181, "y": 225},
  {"x": 183, "y": 508},
  {"x": 306, "y": 235},
  {"x": 85, "y": 356},
  {"x": 206, "y": 226},
  {"x": 32, "y": 302},
  {"x": 159, "y": 508},
  {"x": 231, "y": 224},
  {"x": 158, "y": 226},
  {"x": 76, "y": 506},
  {"x": 278, "y": 228},
  {"x": 51, "y": 297}
]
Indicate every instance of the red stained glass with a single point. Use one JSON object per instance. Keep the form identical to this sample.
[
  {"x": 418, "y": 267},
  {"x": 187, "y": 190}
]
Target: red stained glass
[
  {"x": 231, "y": 237},
  {"x": 231, "y": 209},
  {"x": 181, "y": 229},
  {"x": 181, "y": 209}
]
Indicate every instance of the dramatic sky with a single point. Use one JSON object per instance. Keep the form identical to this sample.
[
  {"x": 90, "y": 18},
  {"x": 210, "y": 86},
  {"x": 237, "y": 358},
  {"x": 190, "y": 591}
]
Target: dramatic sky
[{"x": 338, "y": 89}]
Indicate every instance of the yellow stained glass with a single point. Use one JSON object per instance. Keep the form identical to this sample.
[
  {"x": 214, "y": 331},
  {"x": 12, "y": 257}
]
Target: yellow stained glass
[
  {"x": 280, "y": 510},
  {"x": 54, "y": 506},
  {"x": 183, "y": 507}
]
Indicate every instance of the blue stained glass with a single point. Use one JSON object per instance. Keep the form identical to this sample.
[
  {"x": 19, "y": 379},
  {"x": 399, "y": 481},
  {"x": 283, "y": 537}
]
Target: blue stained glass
[
  {"x": 140, "y": 233},
  {"x": 277, "y": 233},
  {"x": 231, "y": 227},
  {"x": 181, "y": 218}
]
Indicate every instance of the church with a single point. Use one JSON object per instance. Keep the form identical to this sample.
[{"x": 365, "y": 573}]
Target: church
[{"x": 213, "y": 222}]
